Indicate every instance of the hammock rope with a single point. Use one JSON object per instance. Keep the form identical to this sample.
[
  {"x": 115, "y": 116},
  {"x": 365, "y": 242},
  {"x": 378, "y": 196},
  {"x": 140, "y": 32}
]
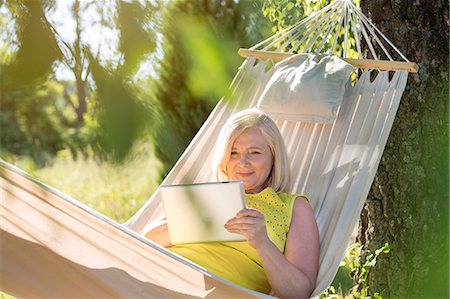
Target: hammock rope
[{"x": 328, "y": 22}]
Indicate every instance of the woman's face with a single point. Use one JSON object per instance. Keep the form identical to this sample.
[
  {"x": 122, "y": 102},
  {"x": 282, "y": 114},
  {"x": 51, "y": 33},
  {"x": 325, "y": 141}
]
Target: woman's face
[{"x": 250, "y": 160}]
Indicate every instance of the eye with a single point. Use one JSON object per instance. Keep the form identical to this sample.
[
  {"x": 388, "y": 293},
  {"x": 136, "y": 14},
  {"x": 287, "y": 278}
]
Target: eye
[
  {"x": 255, "y": 152},
  {"x": 233, "y": 153}
]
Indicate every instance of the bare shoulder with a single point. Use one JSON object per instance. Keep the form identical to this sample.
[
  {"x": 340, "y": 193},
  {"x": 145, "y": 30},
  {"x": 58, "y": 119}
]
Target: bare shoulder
[
  {"x": 302, "y": 243},
  {"x": 302, "y": 198},
  {"x": 303, "y": 232},
  {"x": 303, "y": 222}
]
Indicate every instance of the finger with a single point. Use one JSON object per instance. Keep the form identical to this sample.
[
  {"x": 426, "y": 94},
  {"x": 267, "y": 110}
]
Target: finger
[
  {"x": 251, "y": 228},
  {"x": 240, "y": 225},
  {"x": 248, "y": 213},
  {"x": 242, "y": 230},
  {"x": 245, "y": 220}
]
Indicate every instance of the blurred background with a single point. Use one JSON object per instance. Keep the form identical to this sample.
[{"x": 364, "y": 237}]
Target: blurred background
[{"x": 98, "y": 99}]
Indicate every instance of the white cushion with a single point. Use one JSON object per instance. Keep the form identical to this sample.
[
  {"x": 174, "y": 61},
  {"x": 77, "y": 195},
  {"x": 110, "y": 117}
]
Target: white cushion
[{"x": 306, "y": 87}]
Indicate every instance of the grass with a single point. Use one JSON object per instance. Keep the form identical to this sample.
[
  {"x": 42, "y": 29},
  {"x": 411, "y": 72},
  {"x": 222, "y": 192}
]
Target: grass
[{"x": 115, "y": 190}]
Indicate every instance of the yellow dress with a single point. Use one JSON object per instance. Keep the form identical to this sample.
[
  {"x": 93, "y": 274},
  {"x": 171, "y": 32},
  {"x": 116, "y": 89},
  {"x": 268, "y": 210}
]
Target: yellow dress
[{"x": 238, "y": 262}]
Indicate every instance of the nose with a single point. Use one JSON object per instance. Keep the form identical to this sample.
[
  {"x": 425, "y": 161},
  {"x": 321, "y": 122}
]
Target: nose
[{"x": 244, "y": 159}]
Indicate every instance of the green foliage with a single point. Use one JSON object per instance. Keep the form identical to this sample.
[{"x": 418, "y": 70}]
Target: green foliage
[
  {"x": 364, "y": 270},
  {"x": 120, "y": 115},
  {"x": 27, "y": 123},
  {"x": 284, "y": 13},
  {"x": 370, "y": 262},
  {"x": 343, "y": 283},
  {"x": 343, "y": 280},
  {"x": 38, "y": 49},
  {"x": 135, "y": 41},
  {"x": 39, "y": 119},
  {"x": 207, "y": 59},
  {"x": 200, "y": 43},
  {"x": 352, "y": 265},
  {"x": 115, "y": 190},
  {"x": 105, "y": 111},
  {"x": 30, "y": 123}
]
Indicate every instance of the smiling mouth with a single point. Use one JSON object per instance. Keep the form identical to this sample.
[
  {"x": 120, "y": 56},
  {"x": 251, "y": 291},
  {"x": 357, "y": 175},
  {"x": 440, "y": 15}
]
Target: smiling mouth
[{"x": 246, "y": 174}]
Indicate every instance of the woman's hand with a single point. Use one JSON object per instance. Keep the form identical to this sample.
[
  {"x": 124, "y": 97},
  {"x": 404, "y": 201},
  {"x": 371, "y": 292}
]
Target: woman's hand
[{"x": 250, "y": 223}]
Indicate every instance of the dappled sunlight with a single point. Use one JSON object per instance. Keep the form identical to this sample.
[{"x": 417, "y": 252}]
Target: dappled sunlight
[{"x": 116, "y": 190}]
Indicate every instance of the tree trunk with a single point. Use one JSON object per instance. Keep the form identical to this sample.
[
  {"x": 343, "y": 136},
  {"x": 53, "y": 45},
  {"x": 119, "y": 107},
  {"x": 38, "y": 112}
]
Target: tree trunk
[{"x": 408, "y": 203}]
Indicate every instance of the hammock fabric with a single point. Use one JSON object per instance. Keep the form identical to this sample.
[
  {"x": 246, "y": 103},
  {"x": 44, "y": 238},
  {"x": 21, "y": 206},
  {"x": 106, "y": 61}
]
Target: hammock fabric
[{"x": 55, "y": 246}]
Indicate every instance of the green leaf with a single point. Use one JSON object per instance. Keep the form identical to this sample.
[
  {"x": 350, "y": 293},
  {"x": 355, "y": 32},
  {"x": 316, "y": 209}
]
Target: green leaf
[{"x": 135, "y": 40}]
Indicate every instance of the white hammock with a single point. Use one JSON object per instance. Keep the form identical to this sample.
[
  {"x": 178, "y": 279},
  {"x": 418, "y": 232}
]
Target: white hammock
[{"x": 334, "y": 165}]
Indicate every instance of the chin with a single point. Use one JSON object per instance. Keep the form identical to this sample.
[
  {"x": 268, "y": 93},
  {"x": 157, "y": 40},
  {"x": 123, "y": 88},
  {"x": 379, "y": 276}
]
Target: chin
[{"x": 247, "y": 185}]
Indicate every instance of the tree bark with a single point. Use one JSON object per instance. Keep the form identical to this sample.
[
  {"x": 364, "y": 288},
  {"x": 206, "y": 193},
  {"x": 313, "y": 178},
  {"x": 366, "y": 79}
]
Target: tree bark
[{"x": 408, "y": 203}]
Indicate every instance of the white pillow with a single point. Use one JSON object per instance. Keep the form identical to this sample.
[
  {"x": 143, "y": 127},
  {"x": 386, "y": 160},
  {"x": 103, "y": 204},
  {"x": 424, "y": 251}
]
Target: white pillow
[{"x": 306, "y": 87}]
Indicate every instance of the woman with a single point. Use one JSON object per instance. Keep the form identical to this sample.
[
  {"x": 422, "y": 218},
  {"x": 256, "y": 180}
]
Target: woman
[{"x": 282, "y": 248}]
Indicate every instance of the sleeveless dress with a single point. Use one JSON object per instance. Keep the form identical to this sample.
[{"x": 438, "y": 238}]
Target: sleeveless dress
[{"x": 238, "y": 262}]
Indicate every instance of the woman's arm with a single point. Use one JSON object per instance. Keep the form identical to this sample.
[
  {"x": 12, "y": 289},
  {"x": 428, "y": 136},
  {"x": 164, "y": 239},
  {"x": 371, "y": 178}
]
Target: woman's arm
[
  {"x": 292, "y": 275},
  {"x": 160, "y": 235}
]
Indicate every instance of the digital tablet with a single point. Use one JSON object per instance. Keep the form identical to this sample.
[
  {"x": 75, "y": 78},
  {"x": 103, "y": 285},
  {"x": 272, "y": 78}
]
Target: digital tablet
[{"x": 196, "y": 213}]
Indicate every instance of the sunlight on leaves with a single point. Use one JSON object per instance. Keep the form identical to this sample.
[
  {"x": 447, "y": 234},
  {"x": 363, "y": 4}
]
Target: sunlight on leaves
[{"x": 210, "y": 59}]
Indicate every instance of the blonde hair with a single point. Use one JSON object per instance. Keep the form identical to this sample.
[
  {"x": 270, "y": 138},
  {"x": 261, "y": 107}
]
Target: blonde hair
[{"x": 279, "y": 178}]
